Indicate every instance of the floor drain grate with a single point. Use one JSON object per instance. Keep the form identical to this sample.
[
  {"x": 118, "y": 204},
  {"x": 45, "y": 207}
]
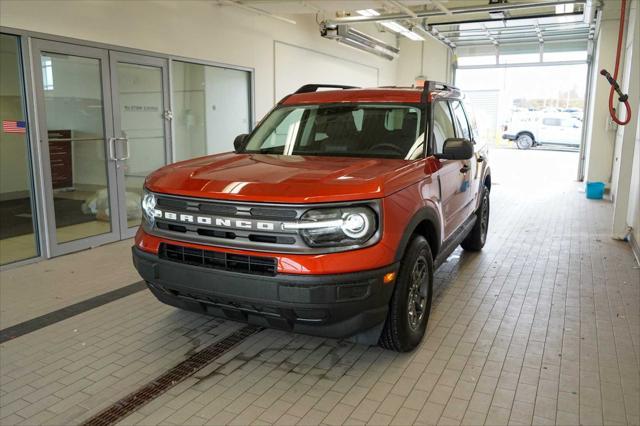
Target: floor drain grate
[{"x": 177, "y": 374}]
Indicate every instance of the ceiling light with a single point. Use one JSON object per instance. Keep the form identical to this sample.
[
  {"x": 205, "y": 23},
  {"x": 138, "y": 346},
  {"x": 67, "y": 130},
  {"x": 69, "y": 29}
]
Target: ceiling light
[
  {"x": 564, "y": 8},
  {"x": 395, "y": 27},
  {"x": 367, "y": 12}
]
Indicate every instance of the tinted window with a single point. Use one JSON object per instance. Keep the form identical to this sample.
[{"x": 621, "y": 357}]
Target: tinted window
[
  {"x": 442, "y": 125},
  {"x": 462, "y": 127},
  {"x": 551, "y": 121},
  {"x": 357, "y": 130}
]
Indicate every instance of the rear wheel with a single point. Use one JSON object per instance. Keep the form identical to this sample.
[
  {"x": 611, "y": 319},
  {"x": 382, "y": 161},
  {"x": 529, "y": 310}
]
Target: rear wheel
[
  {"x": 524, "y": 141},
  {"x": 411, "y": 301},
  {"x": 478, "y": 235}
]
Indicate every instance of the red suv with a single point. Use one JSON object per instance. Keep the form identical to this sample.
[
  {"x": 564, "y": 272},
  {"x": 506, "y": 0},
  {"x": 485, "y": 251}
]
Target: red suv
[{"x": 328, "y": 219}]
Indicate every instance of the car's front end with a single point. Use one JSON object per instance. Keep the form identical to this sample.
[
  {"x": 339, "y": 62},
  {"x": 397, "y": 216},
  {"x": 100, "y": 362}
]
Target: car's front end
[
  {"x": 307, "y": 268},
  {"x": 291, "y": 232}
]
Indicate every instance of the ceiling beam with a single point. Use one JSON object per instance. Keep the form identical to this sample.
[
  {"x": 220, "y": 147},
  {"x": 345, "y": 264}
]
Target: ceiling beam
[{"x": 454, "y": 11}]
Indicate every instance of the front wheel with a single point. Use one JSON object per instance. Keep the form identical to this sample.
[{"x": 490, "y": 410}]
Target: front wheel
[
  {"x": 524, "y": 141},
  {"x": 478, "y": 235},
  {"x": 410, "y": 304}
]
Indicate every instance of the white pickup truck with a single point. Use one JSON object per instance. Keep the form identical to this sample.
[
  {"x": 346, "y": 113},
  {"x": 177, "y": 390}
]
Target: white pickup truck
[{"x": 546, "y": 129}]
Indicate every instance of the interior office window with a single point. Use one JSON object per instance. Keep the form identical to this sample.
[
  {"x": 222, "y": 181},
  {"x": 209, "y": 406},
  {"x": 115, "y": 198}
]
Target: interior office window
[
  {"x": 462, "y": 126},
  {"x": 17, "y": 214},
  {"x": 211, "y": 106},
  {"x": 442, "y": 125},
  {"x": 47, "y": 73}
]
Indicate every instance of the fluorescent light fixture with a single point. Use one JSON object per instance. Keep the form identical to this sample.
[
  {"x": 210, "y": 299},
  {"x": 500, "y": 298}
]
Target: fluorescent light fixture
[
  {"x": 393, "y": 26},
  {"x": 367, "y": 12},
  {"x": 564, "y": 8}
]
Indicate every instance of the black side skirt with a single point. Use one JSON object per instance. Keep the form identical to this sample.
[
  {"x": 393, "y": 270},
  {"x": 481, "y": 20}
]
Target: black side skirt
[{"x": 456, "y": 238}]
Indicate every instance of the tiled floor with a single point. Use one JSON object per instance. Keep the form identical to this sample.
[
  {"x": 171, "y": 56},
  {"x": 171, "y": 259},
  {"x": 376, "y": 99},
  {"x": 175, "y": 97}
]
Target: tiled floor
[{"x": 541, "y": 327}]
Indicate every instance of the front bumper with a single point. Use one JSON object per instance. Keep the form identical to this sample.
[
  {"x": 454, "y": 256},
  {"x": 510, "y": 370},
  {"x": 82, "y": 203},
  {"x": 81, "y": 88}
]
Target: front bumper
[
  {"x": 509, "y": 137},
  {"x": 334, "y": 306}
]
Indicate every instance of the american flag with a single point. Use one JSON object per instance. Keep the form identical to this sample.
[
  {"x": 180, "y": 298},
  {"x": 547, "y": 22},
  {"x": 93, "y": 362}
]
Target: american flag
[{"x": 13, "y": 126}]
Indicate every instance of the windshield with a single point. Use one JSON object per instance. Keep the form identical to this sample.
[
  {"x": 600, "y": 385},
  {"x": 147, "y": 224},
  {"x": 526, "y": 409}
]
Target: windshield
[{"x": 354, "y": 130}]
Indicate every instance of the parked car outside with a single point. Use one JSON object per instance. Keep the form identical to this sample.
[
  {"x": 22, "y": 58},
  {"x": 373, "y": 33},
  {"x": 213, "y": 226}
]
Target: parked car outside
[{"x": 562, "y": 129}]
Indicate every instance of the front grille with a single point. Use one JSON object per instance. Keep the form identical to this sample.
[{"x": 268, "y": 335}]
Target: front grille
[
  {"x": 219, "y": 260},
  {"x": 236, "y": 225}
]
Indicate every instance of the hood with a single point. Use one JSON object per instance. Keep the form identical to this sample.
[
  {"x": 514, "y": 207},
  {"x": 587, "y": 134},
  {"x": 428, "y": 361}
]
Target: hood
[{"x": 283, "y": 179}]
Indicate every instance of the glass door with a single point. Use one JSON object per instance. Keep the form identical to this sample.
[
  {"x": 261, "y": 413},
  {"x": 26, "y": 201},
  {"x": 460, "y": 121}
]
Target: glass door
[
  {"x": 141, "y": 120},
  {"x": 75, "y": 126}
]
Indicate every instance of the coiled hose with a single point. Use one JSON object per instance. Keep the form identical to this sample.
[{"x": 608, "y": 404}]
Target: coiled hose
[{"x": 613, "y": 81}]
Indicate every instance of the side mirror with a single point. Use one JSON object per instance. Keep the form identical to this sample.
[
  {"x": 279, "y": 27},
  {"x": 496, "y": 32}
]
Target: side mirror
[
  {"x": 240, "y": 142},
  {"x": 456, "y": 149}
]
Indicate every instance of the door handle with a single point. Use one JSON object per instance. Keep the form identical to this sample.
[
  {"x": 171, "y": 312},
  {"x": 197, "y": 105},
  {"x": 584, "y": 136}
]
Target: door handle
[
  {"x": 126, "y": 149},
  {"x": 112, "y": 149},
  {"x": 465, "y": 169},
  {"x": 112, "y": 155}
]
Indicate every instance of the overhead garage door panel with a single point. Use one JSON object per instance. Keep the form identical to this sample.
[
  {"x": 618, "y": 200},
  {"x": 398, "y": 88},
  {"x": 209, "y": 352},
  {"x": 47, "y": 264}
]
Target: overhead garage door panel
[{"x": 296, "y": 66}]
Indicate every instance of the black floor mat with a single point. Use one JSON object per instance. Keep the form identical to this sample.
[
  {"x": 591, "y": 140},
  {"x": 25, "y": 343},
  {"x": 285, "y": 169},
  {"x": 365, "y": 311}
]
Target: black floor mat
[{"x": 15, "y": 216}]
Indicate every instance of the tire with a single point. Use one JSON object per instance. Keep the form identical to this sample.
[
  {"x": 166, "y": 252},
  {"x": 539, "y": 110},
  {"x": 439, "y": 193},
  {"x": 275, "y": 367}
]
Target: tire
[
  {"x": 404, "y": 328},
  {"x": 524, "y": 141},
  {"x": 478, "y": 235}
]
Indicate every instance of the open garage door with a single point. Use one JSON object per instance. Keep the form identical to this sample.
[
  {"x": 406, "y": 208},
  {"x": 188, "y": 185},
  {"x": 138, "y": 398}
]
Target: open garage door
[{"x": 485, "y": 105}]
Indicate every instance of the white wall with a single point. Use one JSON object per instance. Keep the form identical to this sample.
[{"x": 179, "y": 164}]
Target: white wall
[
  {"x": 433, "y": 62},
  {"x": 194, "y": 29},
  {"x": 600, "y": 138},
  {"x": 312, "y": 66}
]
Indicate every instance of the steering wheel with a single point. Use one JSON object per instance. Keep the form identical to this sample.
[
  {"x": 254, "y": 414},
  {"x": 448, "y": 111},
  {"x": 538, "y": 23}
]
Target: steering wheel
[{"x": 386, "y": 146}]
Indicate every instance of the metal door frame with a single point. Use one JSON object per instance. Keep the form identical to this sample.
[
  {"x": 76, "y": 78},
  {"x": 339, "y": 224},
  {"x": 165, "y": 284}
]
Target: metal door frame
[
  {"x": 38, "y": 47},
  {"x": 115, "y": 58}
]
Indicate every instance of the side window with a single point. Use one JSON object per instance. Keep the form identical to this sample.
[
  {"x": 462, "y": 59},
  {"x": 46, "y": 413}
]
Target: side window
[
  {"x": 442, "y": 125},
  {"x": 551, "y": 121},
  {"x": 462, "y": 127}
]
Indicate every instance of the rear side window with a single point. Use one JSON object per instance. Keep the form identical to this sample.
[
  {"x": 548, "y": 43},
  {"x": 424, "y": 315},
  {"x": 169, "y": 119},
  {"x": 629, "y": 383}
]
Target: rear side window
[
  {"x": 462, "y": 127},
  {"x": 442, "y": 125},
  {"x": 551, "y": 121}
]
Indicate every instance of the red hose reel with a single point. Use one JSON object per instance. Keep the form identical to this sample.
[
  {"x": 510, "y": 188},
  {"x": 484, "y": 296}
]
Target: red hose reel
[{"x": 613, "y": 81}]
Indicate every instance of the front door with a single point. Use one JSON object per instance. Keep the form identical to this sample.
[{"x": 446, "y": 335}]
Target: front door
[
  {"x": 102, "y": 128},
  {"x": 452, "y": 176},
  {"x": 141, "y": 128},
  {"x": 75, "y": 125}
]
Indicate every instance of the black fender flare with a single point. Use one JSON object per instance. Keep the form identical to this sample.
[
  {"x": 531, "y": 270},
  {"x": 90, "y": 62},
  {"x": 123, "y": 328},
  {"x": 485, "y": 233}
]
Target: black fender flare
[{"x": 426, "y": 213}]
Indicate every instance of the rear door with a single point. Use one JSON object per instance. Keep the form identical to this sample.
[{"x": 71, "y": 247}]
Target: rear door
[
  {"x": 451, "y": 179},
  {"x": 550, "y": 130}
]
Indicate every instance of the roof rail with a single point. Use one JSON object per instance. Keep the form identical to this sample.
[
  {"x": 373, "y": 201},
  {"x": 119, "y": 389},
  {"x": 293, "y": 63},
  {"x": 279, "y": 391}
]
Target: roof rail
[{"x": 307, "y": 88}]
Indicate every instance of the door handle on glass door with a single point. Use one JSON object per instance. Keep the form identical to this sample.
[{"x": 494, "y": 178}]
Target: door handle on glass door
[
  {"x": 126, "y": 149},
  {"x": 112, "y": 155}
]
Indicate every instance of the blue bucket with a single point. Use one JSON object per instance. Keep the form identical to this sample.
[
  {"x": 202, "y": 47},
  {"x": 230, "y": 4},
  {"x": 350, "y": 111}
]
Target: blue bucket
[{"x": 595, "y": 190}]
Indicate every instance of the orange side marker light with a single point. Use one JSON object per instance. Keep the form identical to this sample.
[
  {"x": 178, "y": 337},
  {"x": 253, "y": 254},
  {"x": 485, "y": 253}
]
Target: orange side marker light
[{"x": 389, "y": 277}]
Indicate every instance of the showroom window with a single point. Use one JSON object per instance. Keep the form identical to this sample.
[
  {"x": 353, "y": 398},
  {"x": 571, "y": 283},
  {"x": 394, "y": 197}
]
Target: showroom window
[
  {"x": 211, "y": 106},
  {"x": 18, "y": 239}
]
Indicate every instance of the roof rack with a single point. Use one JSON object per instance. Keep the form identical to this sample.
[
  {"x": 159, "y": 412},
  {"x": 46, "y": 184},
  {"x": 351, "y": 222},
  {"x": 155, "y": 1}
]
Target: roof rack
[
  {"x": 308, "y": 88},
  {"x": 436, "y": 85}
]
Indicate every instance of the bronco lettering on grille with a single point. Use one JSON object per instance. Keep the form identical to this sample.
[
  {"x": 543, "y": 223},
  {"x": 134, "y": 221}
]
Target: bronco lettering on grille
[{"x": 216, "y": 221}]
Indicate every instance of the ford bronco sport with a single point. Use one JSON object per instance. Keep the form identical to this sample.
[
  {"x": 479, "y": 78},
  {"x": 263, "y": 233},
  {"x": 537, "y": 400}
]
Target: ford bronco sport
[{"x": 328, "y": 219}]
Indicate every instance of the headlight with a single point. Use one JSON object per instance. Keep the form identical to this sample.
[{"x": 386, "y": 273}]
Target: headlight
[
  {"x": 336, "y": 227},
  {"x": 149, "y": 207}
]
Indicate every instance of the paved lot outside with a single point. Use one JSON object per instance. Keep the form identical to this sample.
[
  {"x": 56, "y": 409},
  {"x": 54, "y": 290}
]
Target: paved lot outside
[{"x": 541, "y": 327}]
